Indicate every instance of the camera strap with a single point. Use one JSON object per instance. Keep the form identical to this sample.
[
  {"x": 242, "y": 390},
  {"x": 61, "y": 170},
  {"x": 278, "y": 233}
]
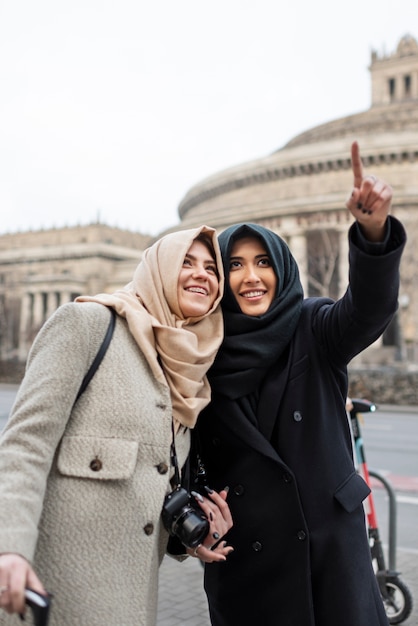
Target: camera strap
[
  {"x": 174, "y": 460},
  {"x": 194, "y": 471},
  {"x": 99, "y": 356}
]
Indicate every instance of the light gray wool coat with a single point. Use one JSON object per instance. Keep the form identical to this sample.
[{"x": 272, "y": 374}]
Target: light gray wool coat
[{"x": 82, "y": 488}]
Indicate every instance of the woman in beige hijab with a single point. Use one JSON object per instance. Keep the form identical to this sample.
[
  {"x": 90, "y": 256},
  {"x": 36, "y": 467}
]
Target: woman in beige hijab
[{"x": 83, "y": 481}]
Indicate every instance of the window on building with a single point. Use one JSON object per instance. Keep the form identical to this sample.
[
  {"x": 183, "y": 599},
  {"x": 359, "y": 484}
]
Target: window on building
[
  {"x": 407, "y": 85},
  {"x": 392, "y": 84},
  {"x": 323, "y": 260}
]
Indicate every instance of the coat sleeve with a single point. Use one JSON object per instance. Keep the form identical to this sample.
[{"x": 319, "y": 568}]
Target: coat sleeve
[
  {"x": 58, "y": 360},
  {"x": 348, "y": 326}
]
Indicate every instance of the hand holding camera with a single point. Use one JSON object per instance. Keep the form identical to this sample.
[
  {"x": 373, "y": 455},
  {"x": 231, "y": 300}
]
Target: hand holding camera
[
  {"x": 199, "y": 522},
  {"x": 184, "y": 519},
  {"x": 214, "y": 547}
]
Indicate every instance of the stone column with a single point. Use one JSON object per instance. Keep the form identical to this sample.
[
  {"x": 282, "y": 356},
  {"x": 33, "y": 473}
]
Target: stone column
[
  {"x": 65, "y": 296},
  {"x": 414, "y": 85},
  {"x": 52, "y": 303},
  {"x": 26, "y": 314},
  {"x": 38, "y": 310},
  {"x": 298, "y": 247}
]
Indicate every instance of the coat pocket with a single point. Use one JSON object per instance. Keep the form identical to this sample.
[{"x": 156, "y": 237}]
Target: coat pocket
[
  {"x": 351, "y": 493},
  {"x": 97, "y": 457}
]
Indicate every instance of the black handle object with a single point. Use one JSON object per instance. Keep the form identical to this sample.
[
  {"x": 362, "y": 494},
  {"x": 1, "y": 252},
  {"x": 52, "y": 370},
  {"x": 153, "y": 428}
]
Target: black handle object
[{"x": 40, "y": 605}]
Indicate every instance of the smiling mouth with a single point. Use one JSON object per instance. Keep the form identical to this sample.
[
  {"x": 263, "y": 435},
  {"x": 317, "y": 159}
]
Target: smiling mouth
[
  {"x": 253, "y": 294},
  {"x": 199, "y": 290}
]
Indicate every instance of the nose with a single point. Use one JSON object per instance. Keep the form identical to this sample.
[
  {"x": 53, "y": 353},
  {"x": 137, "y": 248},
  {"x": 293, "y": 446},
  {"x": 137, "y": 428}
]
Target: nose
[
  {"x": 251, "y": 275},
  {"x": 199, "y": 271}
]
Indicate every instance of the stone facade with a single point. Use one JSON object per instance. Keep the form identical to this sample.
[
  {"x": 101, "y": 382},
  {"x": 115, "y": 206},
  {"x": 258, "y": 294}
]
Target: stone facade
[
  {"x": 41, "y": 270},
  {"x": 300, "y": 191}
]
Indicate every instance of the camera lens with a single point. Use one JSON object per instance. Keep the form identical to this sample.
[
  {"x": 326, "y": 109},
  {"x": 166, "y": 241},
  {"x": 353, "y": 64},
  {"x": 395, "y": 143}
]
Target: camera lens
[{"x": 191, "y": 528}]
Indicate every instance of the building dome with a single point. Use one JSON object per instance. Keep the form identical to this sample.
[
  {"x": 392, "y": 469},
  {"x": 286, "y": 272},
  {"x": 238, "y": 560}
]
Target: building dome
[
  {"x": 300, "y": 190},
  {"x": 313, "y": 169}
]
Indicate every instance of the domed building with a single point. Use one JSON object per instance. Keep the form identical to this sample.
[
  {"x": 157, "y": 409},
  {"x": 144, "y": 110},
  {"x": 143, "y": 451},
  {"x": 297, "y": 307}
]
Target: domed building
[{"x": 300, "y": 190}]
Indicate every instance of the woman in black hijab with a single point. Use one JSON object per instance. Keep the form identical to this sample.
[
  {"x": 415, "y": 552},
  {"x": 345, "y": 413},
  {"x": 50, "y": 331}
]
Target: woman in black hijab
[{"x": 276, "y": 431}]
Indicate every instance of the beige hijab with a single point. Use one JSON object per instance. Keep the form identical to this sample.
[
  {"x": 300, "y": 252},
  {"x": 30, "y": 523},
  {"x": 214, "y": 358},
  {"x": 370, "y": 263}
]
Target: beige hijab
[{"x": 178, "y": 350}]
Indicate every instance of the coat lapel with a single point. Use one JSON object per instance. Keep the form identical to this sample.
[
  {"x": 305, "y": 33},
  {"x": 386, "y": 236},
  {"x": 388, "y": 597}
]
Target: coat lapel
[{"x": 271, "y": 395}]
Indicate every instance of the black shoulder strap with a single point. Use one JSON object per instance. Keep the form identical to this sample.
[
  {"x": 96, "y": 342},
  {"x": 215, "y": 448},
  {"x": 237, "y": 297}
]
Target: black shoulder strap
[{"x": 100, "y": 354}]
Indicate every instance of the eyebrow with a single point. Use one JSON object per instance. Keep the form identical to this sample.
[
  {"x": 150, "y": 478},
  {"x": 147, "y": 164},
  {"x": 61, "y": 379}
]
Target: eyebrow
[
  {"x": 193, "y": 258},
  {"x": 257, "y": 256}
]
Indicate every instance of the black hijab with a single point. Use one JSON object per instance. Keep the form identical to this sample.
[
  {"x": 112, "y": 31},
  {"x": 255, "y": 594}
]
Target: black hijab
[{"x": 253, "y": 344}]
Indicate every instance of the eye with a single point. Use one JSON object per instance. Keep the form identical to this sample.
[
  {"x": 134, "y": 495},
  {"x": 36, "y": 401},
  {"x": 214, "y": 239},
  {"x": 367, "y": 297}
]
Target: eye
[
  {"x": 264, "y": 262},
  {"x": 233, "y": 265},
  {"x": 187, "y": 262},
  {"x": 212, "y": 269}
]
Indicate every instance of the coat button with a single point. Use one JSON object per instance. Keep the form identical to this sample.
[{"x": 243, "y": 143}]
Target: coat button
[
  {"x": 96, "y": 465},
  {"x": 301, "y": 535},
  {"x": 162, "y": 468},
  {"x": 239, "y": 490},
  {"x": 297, "y": 416},
  {"x": 149, "y": 529},
  {"x": 257, "y": 546},
  {"x": 287, "y": 477}
]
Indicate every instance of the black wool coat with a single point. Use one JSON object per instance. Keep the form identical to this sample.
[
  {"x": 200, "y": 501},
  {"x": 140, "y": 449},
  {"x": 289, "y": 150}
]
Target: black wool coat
[{"x": 301, "y": 554}]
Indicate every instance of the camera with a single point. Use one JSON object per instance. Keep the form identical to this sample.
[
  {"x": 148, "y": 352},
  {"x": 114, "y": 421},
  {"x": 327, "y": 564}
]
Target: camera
[{"x": 183, "y": 518}]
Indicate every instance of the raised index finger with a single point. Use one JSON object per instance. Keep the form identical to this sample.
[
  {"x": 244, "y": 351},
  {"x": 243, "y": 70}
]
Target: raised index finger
[{"x": 356, "y": 165}]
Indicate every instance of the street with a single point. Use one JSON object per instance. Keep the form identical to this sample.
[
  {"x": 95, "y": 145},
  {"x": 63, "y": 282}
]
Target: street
[{"x": 390, "y": 440}]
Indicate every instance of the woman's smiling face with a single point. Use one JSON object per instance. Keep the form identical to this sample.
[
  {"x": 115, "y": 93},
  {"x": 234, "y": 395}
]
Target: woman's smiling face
[
  {"x": 251, "y": 276},
  {"x": 198, "y": 282}
]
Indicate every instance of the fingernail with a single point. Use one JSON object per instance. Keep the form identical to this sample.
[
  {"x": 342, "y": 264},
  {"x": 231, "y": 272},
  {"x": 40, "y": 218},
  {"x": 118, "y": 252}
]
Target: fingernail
[
  {"x": 208, "y": 489},
  {"x": 226, "y": 489},
  {"x": 197, "y": 496},
  {"x": 225, "y": 544},
  {"x": 364, "y": 211},
  {"x": 215, "y": 535},
  {"x": 359, "y": 205},
  {"x": 369, "y": 212}
]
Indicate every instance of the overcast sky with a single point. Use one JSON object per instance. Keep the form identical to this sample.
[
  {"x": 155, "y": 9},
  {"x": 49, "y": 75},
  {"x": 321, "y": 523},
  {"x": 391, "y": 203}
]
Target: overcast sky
[{"x": 114, "y": 109}]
